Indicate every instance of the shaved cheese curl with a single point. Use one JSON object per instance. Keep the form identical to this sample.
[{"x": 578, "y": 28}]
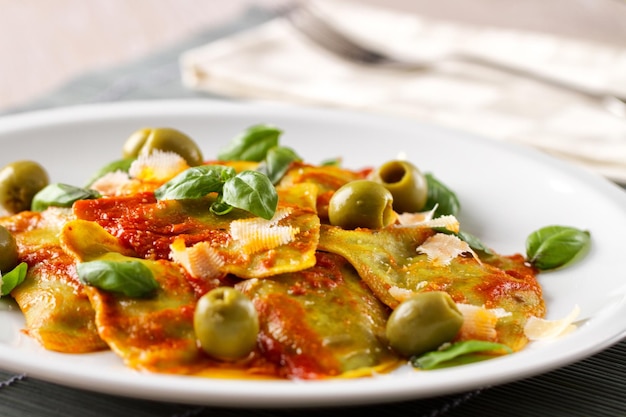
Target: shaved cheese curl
[
  {"x": 441, "y": 248},
  {"x": 111, "y": 183},
  {"x": 257, "y": 234},
  {"x": 479, "y": 323},
  {"x": 425, "y": 219},
  {"x": 200, "y": 260},
  {"x": 157, "y": 166},
  {"x": 541, "y": 329}
]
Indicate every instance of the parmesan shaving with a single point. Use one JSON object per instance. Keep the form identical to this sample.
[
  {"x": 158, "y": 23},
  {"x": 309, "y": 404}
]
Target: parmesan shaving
[
  {"x": 401, "y": 294},
  {"x": 56, "y": 217},
  {"x": 200, "y": 261},
  {"x": 157, "y": 166},
  {"x": 541, "y": 329},
  {"x": 411, "y": 219},
  {"x": 441, "y": 249},
  {"x": 448, "y": 222},
  {"x": 479, "y": 323},
  {"x": 111, "y": 183},
  {"x": 257, "y": 234}
]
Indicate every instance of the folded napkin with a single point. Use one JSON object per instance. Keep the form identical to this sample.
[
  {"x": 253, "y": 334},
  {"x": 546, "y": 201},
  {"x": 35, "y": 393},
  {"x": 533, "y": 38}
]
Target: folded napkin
[{"x": 275, "y": 62}]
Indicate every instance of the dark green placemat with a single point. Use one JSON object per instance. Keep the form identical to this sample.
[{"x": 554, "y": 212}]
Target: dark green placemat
[{"x": 595, "y": 387}]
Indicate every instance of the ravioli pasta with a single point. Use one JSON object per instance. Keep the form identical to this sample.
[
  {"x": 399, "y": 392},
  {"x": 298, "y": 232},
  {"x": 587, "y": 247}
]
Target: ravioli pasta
[{"x": 323, "y": 294}]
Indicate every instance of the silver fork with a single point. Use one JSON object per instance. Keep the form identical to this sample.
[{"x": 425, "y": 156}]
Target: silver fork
[{"x": 312, "y": 24}]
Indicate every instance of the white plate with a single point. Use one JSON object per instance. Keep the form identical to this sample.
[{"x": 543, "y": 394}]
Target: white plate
[{"x": 506, "y": 192}]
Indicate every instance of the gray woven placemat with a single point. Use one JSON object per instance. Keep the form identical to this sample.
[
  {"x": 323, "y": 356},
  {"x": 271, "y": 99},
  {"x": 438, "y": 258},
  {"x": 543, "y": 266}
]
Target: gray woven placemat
[{"x": 595, "y": 387}]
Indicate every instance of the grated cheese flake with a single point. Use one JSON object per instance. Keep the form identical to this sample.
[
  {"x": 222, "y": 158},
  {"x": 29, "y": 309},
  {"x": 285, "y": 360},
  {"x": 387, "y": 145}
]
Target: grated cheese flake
[
  {"x": 111, "y": 183},
  {"x": 541, "y": 329},
  {"x": 157, "y": 166},
  {"x": 257, "y": 234},
  {"x": 479, "y": 323},
  {"x": 402, "y": 294},
  {"x": 200, "y": 260},
  {"x": 411, "y": 219},
  {"x": 441, "y": 248},
  {"x": 448, "y": 222}
]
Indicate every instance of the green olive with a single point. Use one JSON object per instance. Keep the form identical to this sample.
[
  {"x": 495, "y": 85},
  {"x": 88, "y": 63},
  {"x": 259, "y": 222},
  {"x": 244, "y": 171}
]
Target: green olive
[
  {"x": 8, "y": 251},
  {"x": 361, "y": 203},
  {"x": 406, "y": 183},
  {"x": 19, "y": 182},
  {"x": 423, "y": 322},
  {"x": 164, "y": 139},
  {"x": 226, "y": 323}
]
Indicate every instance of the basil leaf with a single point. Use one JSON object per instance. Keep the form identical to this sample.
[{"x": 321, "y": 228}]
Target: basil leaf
[
  {"x": 131, "y": 278},
  {"x": 433, "y": 359},
  {"x": 252, "y": 144},
  {"x": 277, "y": 162},
  {"x": 441, "y": 196},
  {"x": 122, "y": 165},
  {"x": 195, "y": 182},
  {"x": 61, "y": 195},
  {"x": 220, "y": 208},
  {"x": 552, "y": 247},
  {"x": 251, "y": 191},
  {"x": 474, "y": 242},
  {"x": 13, "y": 278},
  {"x": 334, "y": 162}
]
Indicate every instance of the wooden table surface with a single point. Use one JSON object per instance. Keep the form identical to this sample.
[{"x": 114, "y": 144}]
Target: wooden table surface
[{"x": 46, "y": 43}]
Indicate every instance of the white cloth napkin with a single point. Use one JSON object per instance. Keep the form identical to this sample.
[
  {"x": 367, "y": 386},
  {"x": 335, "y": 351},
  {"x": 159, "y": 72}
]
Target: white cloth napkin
[{"x": 275, "y": 62}]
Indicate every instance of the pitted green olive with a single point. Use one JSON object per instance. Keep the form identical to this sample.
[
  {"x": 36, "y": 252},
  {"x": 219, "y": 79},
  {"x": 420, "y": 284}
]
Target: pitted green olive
[
  {"x": 361, "y": 203},
  {"x": 8, "y": 251},
  {"x": 164, "y": 139},
  {"x": 406, "y": 183},
  {"x": 226, "y": 323},
  {"x": 19, "y": 182},
  {"x": 423, "y": 322}
]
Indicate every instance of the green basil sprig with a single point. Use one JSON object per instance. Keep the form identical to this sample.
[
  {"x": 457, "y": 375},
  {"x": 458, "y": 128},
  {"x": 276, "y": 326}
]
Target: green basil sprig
[
  {"x": 249, "y": 190},
  {"x": 13, "y": 278},
  {"x": 131, "y": 278},
  {"x": 332, "y": 162},
  {"x": 441, "y": 196},
  {"x": 553, "y": 247},
  {"x": 61, "y": 195},
  {"x": 252, "y": 144},
  {"x": 277, "y": 162},
  {"x": 195, "y": 182},
  {"x": 253, "y": 192},
  {"x": 438, "y": 358},
  {"x": 259, "y": 143}
]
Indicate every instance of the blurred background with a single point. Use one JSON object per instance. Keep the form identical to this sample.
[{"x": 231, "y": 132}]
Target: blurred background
[{"x": 44, "y": 44}]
